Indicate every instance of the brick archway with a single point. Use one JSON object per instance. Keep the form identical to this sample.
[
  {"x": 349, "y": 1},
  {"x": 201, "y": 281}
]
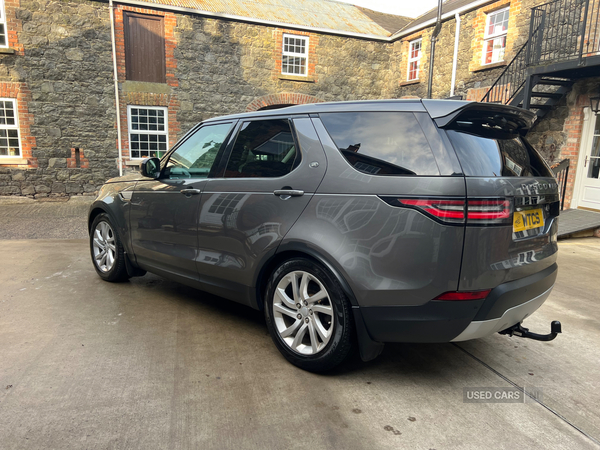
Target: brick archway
[{"x": 285, "y": 98}]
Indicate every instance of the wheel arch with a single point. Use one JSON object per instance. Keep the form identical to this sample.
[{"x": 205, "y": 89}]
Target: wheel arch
[
  {"x": 289, "y": 251},
  {"x": 95, "y": 212}
]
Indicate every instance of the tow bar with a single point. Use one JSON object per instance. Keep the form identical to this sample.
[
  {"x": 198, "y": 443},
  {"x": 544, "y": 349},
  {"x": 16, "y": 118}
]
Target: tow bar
[{"x": 518, "y": 330}]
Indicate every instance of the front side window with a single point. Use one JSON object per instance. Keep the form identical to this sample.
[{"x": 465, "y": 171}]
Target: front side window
[
  {"x": 294, "y": 58},
  {"x": 148, "y": 131},
  {"x": 414, "y": 59},
  {"x": 494, "y": 43},
  {"x": 3, "y": 39},
  {"x": 195, "y": 157},
  {"x": 382, "y": 143},
  {"x": 263, "y": 148},
  {"x": 9, "y": 128}
]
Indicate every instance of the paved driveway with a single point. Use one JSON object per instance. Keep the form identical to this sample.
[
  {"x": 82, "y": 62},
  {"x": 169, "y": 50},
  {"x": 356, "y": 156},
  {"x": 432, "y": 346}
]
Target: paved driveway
[{"x": 151, "y": 364}]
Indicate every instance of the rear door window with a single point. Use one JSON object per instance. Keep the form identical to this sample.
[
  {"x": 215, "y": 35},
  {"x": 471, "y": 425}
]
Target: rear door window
[
  {"x": 264, "y": 149},
  {"x": 483, "y": 155},
  {"x": 381, "y": 143}
]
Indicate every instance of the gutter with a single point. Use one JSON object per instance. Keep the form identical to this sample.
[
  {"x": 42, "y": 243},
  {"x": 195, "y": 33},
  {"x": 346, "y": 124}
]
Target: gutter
[
  {"x": 455, "y": 57},
  {"x": 273, "y": 23},
  {"x": 116, "y": 82}
]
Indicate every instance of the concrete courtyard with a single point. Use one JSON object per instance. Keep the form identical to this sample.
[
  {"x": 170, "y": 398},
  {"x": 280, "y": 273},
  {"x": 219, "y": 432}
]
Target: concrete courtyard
[{"x": 150, "y": 364}]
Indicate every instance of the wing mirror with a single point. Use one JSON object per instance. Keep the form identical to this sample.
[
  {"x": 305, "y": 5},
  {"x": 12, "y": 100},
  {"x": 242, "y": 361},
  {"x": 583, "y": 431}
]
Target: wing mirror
[{"x": 150, "y": 167}]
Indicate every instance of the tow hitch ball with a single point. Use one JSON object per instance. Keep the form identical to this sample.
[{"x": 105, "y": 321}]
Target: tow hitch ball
[{"x": 518, "y": 330}]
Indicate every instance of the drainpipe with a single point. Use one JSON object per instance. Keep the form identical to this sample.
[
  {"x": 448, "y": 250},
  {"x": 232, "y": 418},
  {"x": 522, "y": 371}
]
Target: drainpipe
[
  {"x": 116, "y": 82},
  {"x": 434, "y": 35},
  {"x": 455, "y": 59}
]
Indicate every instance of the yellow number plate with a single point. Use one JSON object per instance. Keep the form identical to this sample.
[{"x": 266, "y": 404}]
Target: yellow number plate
[{"x": 526, "y": 220}]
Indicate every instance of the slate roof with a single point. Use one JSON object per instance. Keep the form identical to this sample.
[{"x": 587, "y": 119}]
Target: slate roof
[
  {"x": 390, "y": 22},
  {"x": 448, "y": 9}
]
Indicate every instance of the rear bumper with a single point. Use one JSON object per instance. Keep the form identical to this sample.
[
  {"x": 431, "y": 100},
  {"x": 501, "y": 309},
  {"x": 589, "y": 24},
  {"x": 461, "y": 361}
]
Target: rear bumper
[{"x": 446, "y": 321}]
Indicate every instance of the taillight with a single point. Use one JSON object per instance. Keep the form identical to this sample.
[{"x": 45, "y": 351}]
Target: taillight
[
  {"x": 447, "y": 210},
  {"x": 470, "y": 295},
  {"x": 475, "y": 211},
  {"x": 489, "y": 211}
]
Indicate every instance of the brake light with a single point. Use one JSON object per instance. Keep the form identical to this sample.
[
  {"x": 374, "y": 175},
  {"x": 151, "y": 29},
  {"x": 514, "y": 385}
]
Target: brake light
[{"x": 470, "y": 295}]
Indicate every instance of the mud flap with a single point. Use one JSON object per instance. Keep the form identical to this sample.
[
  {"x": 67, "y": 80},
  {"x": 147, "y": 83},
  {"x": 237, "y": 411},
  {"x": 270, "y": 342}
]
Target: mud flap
[{"x": 369, "y": 349}]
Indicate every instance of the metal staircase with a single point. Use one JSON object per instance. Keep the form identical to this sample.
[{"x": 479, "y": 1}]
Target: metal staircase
[{"x": 563, "y": 46}]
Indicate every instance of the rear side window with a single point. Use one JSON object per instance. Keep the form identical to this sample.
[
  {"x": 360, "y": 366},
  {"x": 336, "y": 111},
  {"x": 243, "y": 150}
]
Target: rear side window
[
  {"x": 497, "y": 156},
  {"x": 263, "y": 148},
  {"x": 381, "y": 143}
]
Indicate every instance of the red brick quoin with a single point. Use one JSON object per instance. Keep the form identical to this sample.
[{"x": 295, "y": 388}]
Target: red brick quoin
[
  {"x": 22, "y": 94},
  {"x": 148, "y": 98}
]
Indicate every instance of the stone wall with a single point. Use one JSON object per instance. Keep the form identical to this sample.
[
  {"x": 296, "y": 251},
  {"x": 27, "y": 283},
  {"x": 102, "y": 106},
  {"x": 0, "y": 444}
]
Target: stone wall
[
  {"x": 224, "y": 66},
  {"x": 67, "y": 67}
]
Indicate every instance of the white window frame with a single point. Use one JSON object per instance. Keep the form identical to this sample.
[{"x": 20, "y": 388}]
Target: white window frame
[
  {"x": 490, "y": 37},
  {"x": 416, "y": 59},
  {"x": 13, "y": 127},
  {"x": 304, "y": 55},
  {"x": 131, "y": 131},
  {"x": 3, "y": 22}
]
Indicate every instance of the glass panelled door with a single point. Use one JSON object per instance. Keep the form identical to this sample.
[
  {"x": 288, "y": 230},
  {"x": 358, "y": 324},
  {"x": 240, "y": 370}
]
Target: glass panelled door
[{"x": 590, "y": 187}]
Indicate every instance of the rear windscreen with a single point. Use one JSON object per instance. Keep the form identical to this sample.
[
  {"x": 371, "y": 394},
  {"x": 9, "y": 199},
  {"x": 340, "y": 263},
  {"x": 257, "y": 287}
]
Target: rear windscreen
[
  {"x": 381, "y": 143},
  {"x": 497, "y": 156}
]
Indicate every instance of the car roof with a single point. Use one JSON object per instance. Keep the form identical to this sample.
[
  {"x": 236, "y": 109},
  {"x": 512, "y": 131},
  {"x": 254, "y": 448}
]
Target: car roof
[{"x": 435, "y": 108}]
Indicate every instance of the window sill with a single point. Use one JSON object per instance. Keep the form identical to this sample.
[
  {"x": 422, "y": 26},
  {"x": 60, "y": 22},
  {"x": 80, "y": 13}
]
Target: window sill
[
  {"x": 489, "y": 66},
  {"x": 408, "y": 83},
  {"x": 133, "y": 162},
  {"x": 307, "y": 79},
  {"x": 13, "y": 161},
  {"x": 7, "y": 51}
]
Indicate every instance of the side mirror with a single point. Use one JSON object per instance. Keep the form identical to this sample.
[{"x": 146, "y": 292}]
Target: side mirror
[{"x": 150, "y": 167}]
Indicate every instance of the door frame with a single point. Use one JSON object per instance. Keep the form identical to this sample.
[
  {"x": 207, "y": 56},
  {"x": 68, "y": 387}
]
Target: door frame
[{"x": 586, "y": 142}]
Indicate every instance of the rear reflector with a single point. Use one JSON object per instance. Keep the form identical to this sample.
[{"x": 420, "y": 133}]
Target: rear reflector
[{"x": 471, "y": 295}]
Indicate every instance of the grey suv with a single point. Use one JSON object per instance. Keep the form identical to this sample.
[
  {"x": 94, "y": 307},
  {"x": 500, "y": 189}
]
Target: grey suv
[{"x": 350, "y": 224}]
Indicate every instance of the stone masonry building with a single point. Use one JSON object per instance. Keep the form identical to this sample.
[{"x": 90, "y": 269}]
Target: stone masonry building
[{"x": 64, "y": 132}]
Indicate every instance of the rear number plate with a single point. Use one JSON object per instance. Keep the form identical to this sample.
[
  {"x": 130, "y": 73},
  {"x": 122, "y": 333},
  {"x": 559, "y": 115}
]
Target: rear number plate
[{"x": 526, "y": 220}]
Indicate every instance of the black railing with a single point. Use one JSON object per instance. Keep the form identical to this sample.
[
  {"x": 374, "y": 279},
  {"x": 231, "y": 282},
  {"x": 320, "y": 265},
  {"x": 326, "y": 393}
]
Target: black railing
[
  {"x": 561, "y": 30},
  {"x": 510, "y": 81},
  {"x": 561, "y": 173}
]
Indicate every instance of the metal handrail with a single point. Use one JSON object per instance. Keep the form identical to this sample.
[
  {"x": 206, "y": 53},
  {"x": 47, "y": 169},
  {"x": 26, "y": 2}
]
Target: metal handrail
[
  {"x": 561, "y": 173},
  {"x": 560, "y": 30}
]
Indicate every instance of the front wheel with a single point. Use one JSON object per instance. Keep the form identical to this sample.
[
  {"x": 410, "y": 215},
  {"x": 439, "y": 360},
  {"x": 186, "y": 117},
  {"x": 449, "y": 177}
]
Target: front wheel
[
  {"x": 308, "y": 315},
  {"x": 107, "y": 251}
]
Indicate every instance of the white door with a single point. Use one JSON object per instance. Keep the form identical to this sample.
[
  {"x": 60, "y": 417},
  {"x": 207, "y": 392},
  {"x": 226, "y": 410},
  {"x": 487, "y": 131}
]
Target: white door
[{"x": 589, "y": 186}]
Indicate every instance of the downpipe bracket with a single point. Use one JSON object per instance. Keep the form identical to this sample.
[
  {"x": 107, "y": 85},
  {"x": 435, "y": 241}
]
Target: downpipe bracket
[{"x": 520, "y": 331}]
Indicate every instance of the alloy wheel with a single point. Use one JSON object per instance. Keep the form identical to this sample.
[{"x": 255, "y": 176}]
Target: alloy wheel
[
  {"x": 303, "y": 313},
  {"x": 104, "y": 247}
]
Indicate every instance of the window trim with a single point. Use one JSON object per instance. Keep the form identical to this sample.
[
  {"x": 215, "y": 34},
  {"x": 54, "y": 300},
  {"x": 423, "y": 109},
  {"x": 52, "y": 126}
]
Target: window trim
[
  {"x": 411, "y": 60},
  {"x": 129, "y": 130},
  {"x": 13, "y": 127},
  {"x": 490, "y": 37},
  {"x": 295, "y": 55}
]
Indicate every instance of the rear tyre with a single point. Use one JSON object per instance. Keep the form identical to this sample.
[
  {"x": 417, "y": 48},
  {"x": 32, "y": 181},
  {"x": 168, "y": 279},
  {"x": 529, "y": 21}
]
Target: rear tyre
[
  {"x": 107, "y": 250},
  {"x": 308, "y": 315}
]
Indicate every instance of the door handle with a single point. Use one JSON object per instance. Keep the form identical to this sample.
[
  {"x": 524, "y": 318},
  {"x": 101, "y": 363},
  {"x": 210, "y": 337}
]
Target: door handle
[
  {"x": 189, "y": 192},
  {"x": 284, "y": 194}
]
